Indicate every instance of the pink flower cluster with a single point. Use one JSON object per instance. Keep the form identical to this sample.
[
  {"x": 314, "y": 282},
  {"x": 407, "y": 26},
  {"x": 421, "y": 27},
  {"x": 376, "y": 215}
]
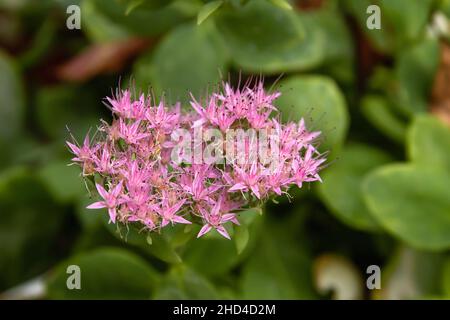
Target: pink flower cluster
[{"x": 138, "y": 181}]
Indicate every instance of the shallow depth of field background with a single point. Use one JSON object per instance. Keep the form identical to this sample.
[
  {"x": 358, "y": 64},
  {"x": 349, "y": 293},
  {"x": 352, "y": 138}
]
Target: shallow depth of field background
[{"x": 380, "y": 97}]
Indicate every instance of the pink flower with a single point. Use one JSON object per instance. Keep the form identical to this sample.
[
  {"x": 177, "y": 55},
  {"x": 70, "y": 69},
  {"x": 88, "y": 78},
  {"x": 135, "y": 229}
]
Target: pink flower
[
  {"x": 106, "y": 164},
  {"x": 245, "y": 181},
  {"x": 136, "y": 178},
  {"x": 216, "y": 220},
  {"x": 110, "y": 200},
  {"x": 168, "y": 213},
  {"x": 196, "y": 186},
  {"x": 258, "y": 120},
  {"x": 224, "y": 119},
  {"x": 207, "y": 114},
  {"x": 134, "y": 156},
  {"x": 130, "y": 132},
  {"x": 159, "y": 117},
  {"x": 234, "y": 101},
  {"x": 306, "y": 169},
  {"x": 276, "y": 180},
  {"x": 84, "y": 153},
  {"x": 305, "y": 136},
  {"x": 122, "y": 105},
  {"x": 138, "y": 201}
]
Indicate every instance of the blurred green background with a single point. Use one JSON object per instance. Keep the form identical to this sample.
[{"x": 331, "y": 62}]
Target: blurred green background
[{"x": 379, "y": 96}]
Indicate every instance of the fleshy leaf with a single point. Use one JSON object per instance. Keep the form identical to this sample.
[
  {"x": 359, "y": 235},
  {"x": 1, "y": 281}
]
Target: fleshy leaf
[
  {"x": 160, "y": 247},
  {"x": 107, "y": 273},
  {"x": 268, "y": 39},
  {"x": 279, "y": 267},
  {"x": 381, "y": 114},
  {"x": 63, "y": 181},
  {"x": 207, "y": 10},
  {"x": 284, "y": 4},
  {"x": 319, "y": 101},
  {"x": 341, "y": 189},
  {"x": 429, "y": 143},
  {"x": 412, "y": 203},
  {"x": 200, "y": 63},
  {"x": 30, "y": 222},
  {"x": 12, "y": 107},
  {"x": 241, "y": 236},
  {"x": 182, "y": 283}
]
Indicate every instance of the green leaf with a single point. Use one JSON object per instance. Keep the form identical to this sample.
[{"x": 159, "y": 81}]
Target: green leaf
[
  {"x": 408, "y": 18},
  {"x": 446, "y": 278},
  {"x": 444, "y": 6},
  {"x": 26, "y": 149},
  {"x": 278, "y": 268},
  {"x": 319, "y": 101},
  {"x": 61, "y": 107},
  {"x": 87, "y": 217},
  {"x": 12, "y": 105},
  {"x": 429, "y": 142},
  {"x": 412, "y": 203},
  {"x": 160, "y": 246},
  {"x": 222, "y": 254},
  {"x": 30, "y": 222},
  {"x": 107, "y": 273},
  {"x": 98, "y": 26},
  {"x": 199, "y": 63},
  {"x": 105, "y": 20},
  {"x": 250, "y": 221},
  {"x": 149, "y": 239},
  {"x": 383, "y": 39},
  {"x": 341, "y": 189},
  {"x": 402, "y": 21},
  {"x": 178, "y": 235},
  {"x": 241, "y": 236},
  {"x": 284, "y": 4},
  {"x": 42, "y": 42},
  {"x": 208, "y": 9},
  {"x": 183, "y": 283},
  {"x": 63, "y": 181},
  {"x": 330, "y": 23},
  {"x": 414, "y": 73},
  {"x": 264, "y": 38},
  {"x": 132, "y": 5},
  {"x": 381, "y": 114}
]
